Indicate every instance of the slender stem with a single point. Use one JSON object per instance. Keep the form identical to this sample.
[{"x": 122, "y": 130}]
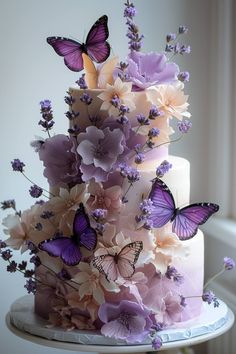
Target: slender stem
[
  {"x": 34, "y": 183},
  {"x": 48, "y": 134},
  {"x": 131, "y": 185},
  {"x": 53, "y": 272},
  {"x": 214, "y": 277}
]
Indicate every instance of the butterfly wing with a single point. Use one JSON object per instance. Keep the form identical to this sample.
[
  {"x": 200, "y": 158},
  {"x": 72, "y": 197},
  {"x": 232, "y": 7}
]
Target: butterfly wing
[
  {"x": 127, "y": 258},
  {"x": 107, "y": 266},
  {"x": 163, "y": 204},
  {"x": 71, "y": 255},
  {"x": 187, "y": 219},
  {"x": 83, "y": 233},
  {"x": 55, "y": 246},
  {"x": 97, "y": 47},
  {"x": 70, "y": 50}
]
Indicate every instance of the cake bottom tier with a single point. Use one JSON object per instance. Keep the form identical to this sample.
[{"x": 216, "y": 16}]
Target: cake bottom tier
[{"x": 170, "y": 302}]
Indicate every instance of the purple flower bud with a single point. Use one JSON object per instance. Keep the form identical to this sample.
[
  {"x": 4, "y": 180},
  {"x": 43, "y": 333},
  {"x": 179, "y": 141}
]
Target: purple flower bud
[
  {"x": 7, "y": 204},
  {"x": 183, "y": 301},
  {"x": 12, "y": 267},
  {"x": 32, "y": 248},
  {"x": 183, "y": 29},
  {"x": 2, "y": 244},
  {"x": 176, "y": 48},
  {"x": 170, "y": 37},
  {"x": 69, "y": 99},
  {"x": 142, "y": 120},
  {"x": 154, "y": 112},
  {"x": 173, "y": 274},
  {"x": 163, "y": 168},
  {"x": 130, "y": 11},
  {"x": 184, "y": 126},
  {"x": 123, "y": 109},
  {"x": 146, "y": 206},
  {"x": 139, "y": 158},
  {"x": 157, "y": 342},
  {"x": 64, "y": 275},
  {"x": 133, "y": 175},
  {"x": 35, "y": 191},
  {"x": 47, "y": 214},
  {"x": 30, "y": 286},
  {"x": 153, "y": 133},
  {"x": 6, "y": 255},
  {"x": 228, "y": 263},
  {"x": 184, "y": 76},
  {"x": 99, "y": 214},
  {"x": 22, "y": 265},
  {"x": 82, "y": 83},
  {"x": 17, "y": 165},
  {"x": 123, "y": 120},
  {"x": 100, "y": 228},
  {"x": 115, "y": 101},
  {"x": 148, "y": 225},
  {"x": 210, "y": 297},
  {"x": 86, "y": 98},
  {"x": 185, "y": 49},
  {"x": 35, "y": 260},
  {"x": 124, "y": 169},
  {"x": 169, "y": 48}
]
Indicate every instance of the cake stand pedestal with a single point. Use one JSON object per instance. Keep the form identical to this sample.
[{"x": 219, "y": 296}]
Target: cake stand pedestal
[{"x": 22, "y": 321}]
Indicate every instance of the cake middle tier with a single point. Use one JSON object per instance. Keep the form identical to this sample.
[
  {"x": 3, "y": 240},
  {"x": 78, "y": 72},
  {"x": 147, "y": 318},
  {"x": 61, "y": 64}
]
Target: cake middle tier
[{"x": 177, "y": 179}]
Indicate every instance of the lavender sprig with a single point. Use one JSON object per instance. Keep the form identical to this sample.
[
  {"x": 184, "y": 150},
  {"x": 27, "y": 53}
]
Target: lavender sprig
[
  {"x": 47, "y": 115},
  {"x": 135, "y": 39}
]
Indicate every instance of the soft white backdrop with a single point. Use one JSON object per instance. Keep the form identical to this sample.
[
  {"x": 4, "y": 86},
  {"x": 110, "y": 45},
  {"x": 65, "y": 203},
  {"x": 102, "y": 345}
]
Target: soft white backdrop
[{"x": 30, "y": 71}]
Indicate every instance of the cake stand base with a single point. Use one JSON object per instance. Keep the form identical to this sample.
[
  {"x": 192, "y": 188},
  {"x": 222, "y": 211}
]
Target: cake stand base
[{"x": 23, "y": 322}]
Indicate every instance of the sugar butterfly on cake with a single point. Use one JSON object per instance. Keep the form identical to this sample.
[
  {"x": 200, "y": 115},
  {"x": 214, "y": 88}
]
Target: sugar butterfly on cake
[{"x": 114, "y": 241}]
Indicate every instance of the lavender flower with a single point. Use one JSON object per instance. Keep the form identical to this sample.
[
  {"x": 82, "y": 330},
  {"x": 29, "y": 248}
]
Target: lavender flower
[
  {"x": 173, "y": 274},
  {"x": 148, "y": 224},
  {"x": 30, "y": 286},
  {"x": 64, "y": 275},
  {"x": 169, "y": 48},
  {"x": 47, "y": 115},
  {"x": 7, "y": 204},
  {"x": 184, "y": 126},
  {"x": 153, "y": 133},
  {"x": 82, "y": 83},
  {"x": 142, "y": 120},
  {"x": 184, "y": 76},
  {"x": 17, "y": 165},
  {"x": 183, "y": 301},
  {"x": 22, "y": 265},
  {"x": 139, "y": 158},
  {"x": 125, "y": 320},
  {"x": 47, "y": 214},
  {"x": 163, "y": 168},
  {"x": 99, "y": 214},
  {"x": 100, "y": 228},
  {"x": 86, "y": 98},
  {"x": 130, "y": 11},
  {"x": 157, "y": 342},
  {"x": 35, "y": 191},
  {"x": 29, "y": 273},
  {"x": 154, "y": 113},
  {"x": 12, "y": 267},
  {"x": 69, "y": 100},
  {"x": 185, "y": 49},
  {"x": 35, "y": 260},
  {"x": 149, "y": 69},
  {"x": 6, "y": 255},
  {"x": 32, "y": 248},
  {"x": 2, "y": 245},
  {"x": 210, "y": 297},
  {"x": 146, "y": 206},
  {"x": 115, "y": 101},
  {"x": 228, "y": 263},
  {"x": 183, "y": 29},
  {"x": 133, "y": 175},
  {"x": 170, "y": 37},
  {"x": 38, "y": 226}
]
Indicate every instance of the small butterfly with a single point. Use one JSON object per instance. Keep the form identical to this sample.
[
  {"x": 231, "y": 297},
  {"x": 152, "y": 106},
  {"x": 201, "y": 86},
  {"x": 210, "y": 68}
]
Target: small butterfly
[
  {"x": 95, "y": 46},
  {"x": 186, "y": 220},
  {"x": 68, "y": 248},
  {"x": 121, "y": 263}
]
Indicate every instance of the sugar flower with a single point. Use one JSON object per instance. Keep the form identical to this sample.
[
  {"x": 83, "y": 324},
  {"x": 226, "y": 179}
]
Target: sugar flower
[
  {"x": 125, "y": 320},
  {"x": 60, "y": 161},
  {"x": 99, "y": 150},
  {"x": 92, "y": 282},
  {"x": 170, "y": 309},
  {"x": 149, "y": 69},
  {"x": 171, "y": 100},
  {"x": 86, "y": 304},
  {"x": 105, "y": 198},
  {"x": 19, "y": 228},
  {"x": 120, "y": 90}
]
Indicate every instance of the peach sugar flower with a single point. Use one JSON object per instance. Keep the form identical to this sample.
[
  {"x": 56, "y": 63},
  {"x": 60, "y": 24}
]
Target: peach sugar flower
[
  {"x": 92, "y": 282},
  {"x": 87, "y": 303},
  {"x": 109, "y": 198},
  {"x": 168, "y": 246},
  {"x": 120, "y": 90},
  {"x": 19, "y": 228},
  {"x": 170, "y": 99}
]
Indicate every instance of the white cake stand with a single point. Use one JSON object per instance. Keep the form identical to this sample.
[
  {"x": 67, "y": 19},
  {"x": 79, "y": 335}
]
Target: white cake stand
[{"x": 22, "y": 321}]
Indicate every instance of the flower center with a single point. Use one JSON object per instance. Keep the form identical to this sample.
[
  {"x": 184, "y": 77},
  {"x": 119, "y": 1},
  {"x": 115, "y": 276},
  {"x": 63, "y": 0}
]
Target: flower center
[
  {"x": 100, "y": 151},
  {"x": 124, "y": 319}
]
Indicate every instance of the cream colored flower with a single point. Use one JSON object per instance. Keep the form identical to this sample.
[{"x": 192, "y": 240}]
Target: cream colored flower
[
  {"x": 170, "y": 99},
  {"x": 92, "y": 282},
  {"x": 87, "y": 303},
  {"x": 19, "y": 228},
  {"x": 168, "y": 247},
  {"x": 120, "y": 90}
]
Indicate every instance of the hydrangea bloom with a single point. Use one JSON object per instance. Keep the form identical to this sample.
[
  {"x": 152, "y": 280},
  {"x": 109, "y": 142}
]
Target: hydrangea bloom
[
  {"x": 149, "y": 69},
  {"x": 125, "y": 320},
  {"x": 99, "y": 150},
  {"x": 60, "y": 161}
]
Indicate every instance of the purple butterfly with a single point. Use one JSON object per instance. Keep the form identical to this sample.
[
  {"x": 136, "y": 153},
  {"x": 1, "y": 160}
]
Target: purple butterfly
[
  {"x": 95, "y": 46},
  {"x": 68, "y": 248},
  {"x": 185, "y": 220}
]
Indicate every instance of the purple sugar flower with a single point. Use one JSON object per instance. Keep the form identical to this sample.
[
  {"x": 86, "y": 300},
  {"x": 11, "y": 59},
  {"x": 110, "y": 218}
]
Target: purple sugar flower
[
  {"x": 228, "y": 263},
  {"x": 17, "y": 165},
  {"x": 125, "y": 320},
  {"x": 60, "y": 160},
  {"x": 99, "y": 150},
  {"x": 35, "y": 191},
  {"x": 149, "y": 69}
]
